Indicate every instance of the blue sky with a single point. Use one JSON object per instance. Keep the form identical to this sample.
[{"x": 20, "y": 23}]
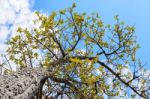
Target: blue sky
[
  {"x": 14, "y": 13},
  {"x": 133, "y": 12}
]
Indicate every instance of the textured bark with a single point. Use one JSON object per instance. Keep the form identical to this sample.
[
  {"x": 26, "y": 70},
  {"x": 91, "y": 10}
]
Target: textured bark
[{"x": 23, "y": 84}]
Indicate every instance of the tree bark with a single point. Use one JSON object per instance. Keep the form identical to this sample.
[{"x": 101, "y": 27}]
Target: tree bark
[{"x": 23, "y": 84}]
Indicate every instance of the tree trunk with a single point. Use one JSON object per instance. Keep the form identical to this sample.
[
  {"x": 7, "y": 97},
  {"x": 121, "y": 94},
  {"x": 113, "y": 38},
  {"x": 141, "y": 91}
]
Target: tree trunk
[{"x": 24, "y": 84}]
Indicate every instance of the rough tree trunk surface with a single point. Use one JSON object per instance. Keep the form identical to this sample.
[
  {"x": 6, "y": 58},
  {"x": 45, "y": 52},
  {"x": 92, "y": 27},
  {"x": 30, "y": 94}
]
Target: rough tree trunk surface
[{"x": 23, "y": 84}]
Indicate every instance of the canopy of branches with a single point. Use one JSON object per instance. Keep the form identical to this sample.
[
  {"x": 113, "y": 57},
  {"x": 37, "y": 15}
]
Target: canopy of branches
[{"x": 90, "y": 59}]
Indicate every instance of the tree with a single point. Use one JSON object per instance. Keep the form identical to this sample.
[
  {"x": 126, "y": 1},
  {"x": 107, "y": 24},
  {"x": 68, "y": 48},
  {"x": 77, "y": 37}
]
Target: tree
[{"x": 87, "y": 58}]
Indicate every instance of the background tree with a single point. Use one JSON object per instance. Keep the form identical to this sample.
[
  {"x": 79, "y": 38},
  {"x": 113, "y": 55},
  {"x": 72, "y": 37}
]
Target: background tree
[{"x": 88, "y": 59}]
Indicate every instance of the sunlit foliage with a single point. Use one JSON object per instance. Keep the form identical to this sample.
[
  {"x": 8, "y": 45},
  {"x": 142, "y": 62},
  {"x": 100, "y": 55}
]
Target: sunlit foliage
[{"x": 90, "y": 59}]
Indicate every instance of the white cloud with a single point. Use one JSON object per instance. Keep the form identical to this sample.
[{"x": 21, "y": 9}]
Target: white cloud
[
  {"x": 14, "y": 13},
  {"x": 3, "y": 32},
  {"x": 3, "y": 47}
]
